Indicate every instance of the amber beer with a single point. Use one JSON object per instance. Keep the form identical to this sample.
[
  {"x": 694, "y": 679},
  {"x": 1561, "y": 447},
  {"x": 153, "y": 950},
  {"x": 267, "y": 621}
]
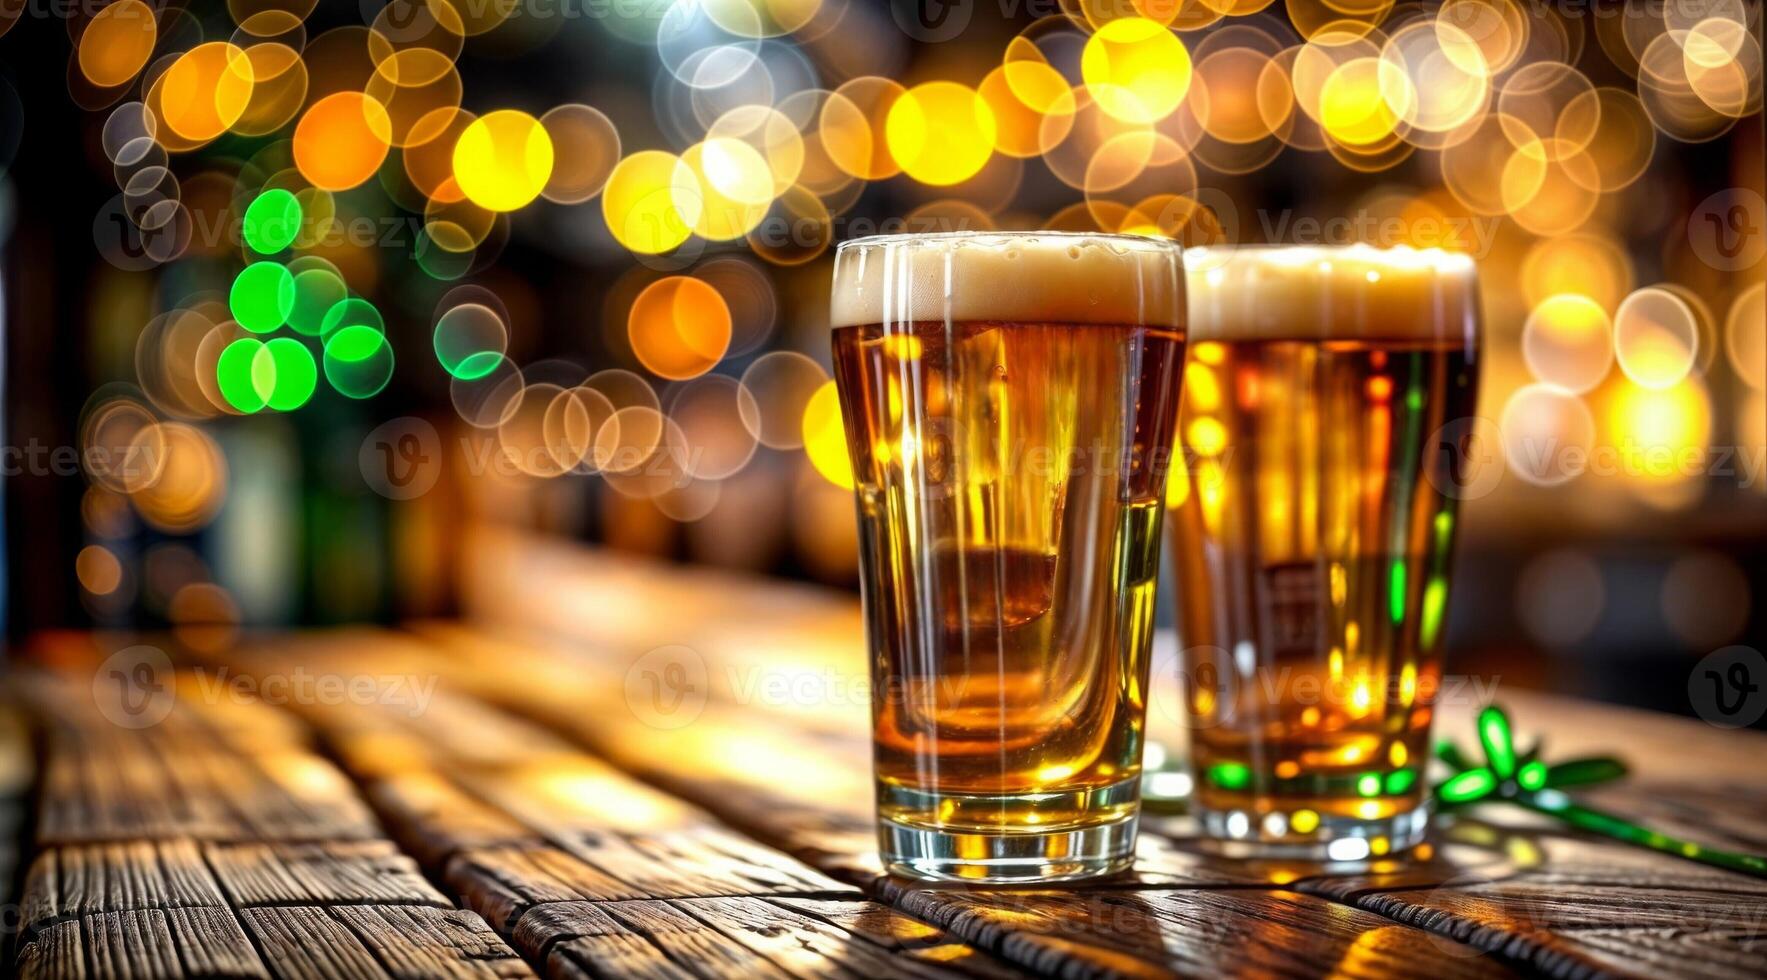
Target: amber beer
[
  {"x": 1316, "y": 510},
  {"x": 1009, "y": 402}
]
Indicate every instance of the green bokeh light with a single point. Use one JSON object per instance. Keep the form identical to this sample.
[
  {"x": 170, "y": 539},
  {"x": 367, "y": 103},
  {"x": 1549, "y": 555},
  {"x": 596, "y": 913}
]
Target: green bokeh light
[
  {"x": 470, "y": 340},
  {"x": 262, "y": 297},
  {"x": 1230, "y": 775},
  {"x": 351, "y": 312},
  {"x": 358, "y": 360},
  {"x": 294, "y": 374},
  {"x": 240, "y": 377},
  {"x": 1400, "y": 781},
  {"x": 317, "y": 291},
  {"x": 272, "y": 221}
]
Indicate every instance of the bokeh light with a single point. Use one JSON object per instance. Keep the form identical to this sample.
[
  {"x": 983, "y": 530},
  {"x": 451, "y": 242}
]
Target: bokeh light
[
  {"x": 639, "y": 202},
  {"x": 503, "y": 160},
  {"x": 272, "y": 221},
  {"x": 341, "y": 140},
  {"x": 679, "y": 327},
  {"x": 940, "y": 133},
  {"x": 1568, "y": 342},
  {"x": 358, "y": 361},
  {"x": 825, "y": 437},
  {"x": 1656, "y": 337},
  {"x": 262, "y": 297}
]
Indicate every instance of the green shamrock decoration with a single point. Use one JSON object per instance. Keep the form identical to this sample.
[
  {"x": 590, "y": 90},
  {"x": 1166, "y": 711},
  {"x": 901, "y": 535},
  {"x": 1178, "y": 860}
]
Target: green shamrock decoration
[{"x": 1524, "y": 780}]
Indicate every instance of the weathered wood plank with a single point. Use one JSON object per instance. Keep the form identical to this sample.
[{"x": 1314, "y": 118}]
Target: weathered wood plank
[
  {"x": 150, "y": 937},
  {"x": 701, "y": 947},
  {"x": 304, "y": 943},
  {"x": 433, "y": 819},
  {"x": 83, "y": 880},
  {"x": 900, "y": 933},
  {"x": 211, "y": 943},
  {"x": 131, "y": 945},
  {"x": 802, "y": 944},
  {"x": 1568, "y": 907},
  {"x": 581, "y": 940},
  {"x": 1190, "y": 932},
  {"x": 57, "y": 953},
  {"x": 700, "y": 861},
  {"x": 418, "y": 942},
  {"x": 504, "y": 882},
  {"x": 109, "y": 784},
  {"x": 353, "y": 872},
  {"x": 744, "y": 937}
]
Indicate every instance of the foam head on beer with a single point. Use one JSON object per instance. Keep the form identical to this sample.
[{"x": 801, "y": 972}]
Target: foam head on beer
[
  {"x": 1045, "y": 278},
  {"x": 1347, "y": 292}
]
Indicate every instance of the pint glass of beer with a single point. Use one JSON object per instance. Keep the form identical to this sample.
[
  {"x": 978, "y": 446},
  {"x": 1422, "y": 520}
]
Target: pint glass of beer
[
  {"x": 1326, "y": 404},
  {"x": 1009, "y": 403}
]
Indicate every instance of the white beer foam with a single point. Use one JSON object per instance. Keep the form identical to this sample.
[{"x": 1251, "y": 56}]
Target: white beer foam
[
  {"x": 1349, "y": 292},
  {"x": 1042, "y": 277}
]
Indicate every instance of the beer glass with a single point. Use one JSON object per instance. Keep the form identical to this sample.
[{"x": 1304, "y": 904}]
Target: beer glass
[
  {"x": 1009, "y": 402},
  {"x": 1327, "y": 397}
]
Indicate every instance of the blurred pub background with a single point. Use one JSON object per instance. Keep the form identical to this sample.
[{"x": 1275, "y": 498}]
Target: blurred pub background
[{"x": 301, "y": 295}]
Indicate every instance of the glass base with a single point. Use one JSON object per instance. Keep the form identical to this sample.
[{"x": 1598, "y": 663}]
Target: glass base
[
  {"x": 1006, "y": 840},
  {"x": 1328, "y": 838},
  {"x": 1008, "y": 859}
]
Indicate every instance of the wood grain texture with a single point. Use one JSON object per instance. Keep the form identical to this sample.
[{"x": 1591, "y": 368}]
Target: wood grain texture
[
  {"x": 745, "y": 937},
  {"x": 1567, "y": 906},
  {"x": 308, "y": 944},
  {"x": 186, "y": 848},
  {"x": 433, "y": 819},
  {"x": 574, "y": 859},
  {"x": 1189, "y": 932},
  {"x": 83, "y": 880},
  {"x": 237, "y": 840},
  {"x": 54, "y": 954},
  {"x": 421, "y": 942},
  {"x": 802, "y": 944},
  {"x": 643, "y": 938},
  {"x": 350, "y": 872}
]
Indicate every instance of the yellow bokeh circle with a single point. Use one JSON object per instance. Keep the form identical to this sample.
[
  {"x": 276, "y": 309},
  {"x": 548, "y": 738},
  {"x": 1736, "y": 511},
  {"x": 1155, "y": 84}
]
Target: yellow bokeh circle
[
  {"x": 503, "y": 160},
  {"x": 1136, "y": 69},
  {"x": 727, "y": 183},
  {"x": 825, "y": 437},
  {"x": 941, "y": 133},
  {"x": 643, "y": 211}
]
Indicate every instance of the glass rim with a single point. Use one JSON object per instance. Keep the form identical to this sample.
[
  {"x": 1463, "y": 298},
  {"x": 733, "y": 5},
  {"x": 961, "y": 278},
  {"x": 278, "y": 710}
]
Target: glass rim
[{"x": 1146, "y": 242}]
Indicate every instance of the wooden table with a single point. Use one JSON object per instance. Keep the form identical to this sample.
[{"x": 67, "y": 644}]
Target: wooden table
[{"x": 519, "y": 796}]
